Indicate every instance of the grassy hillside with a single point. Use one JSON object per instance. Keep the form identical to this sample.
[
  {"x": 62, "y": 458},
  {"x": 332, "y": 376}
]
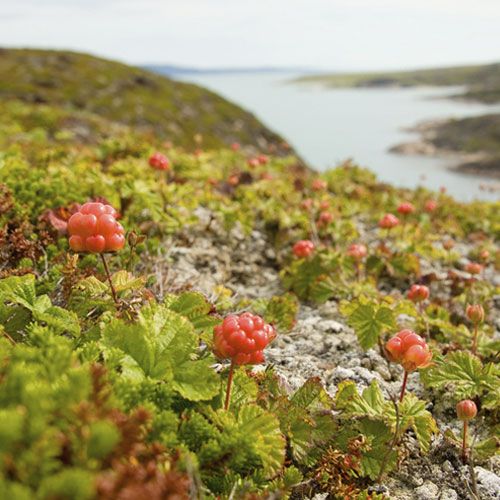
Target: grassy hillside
[
  {"x": 482, "y": 81},
  {"x": 150, "y": 103}
]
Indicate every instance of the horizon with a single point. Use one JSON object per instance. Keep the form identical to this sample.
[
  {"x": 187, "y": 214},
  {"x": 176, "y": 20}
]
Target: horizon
[{"x": 339, "y": 35}]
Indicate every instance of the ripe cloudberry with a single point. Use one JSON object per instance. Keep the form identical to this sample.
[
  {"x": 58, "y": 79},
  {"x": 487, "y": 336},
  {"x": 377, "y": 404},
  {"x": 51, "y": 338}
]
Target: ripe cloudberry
[
  {"x": 406, "y": 208},
  {"x": 410, "y": 351},
  {"x": 466, "y": 410},
  {"x": 303, "y": 248},
  {"x": 325, "y": 218},
  {"x": 159, "y": 161},
  {"x": 262, "y": 159},
  {"x": 94, "y": 229},
  {"x": 307, "y": 204},
  {"x": 388, "y": 221},
  {"x": 418, "y": 293},
  {"x": 430, "y": 206},
  {"x": 253, "y": 162},
  {"x": 357, "y": 251},
  {"x": 242, "y": 339},
  {"x": 318, "y": 185}
]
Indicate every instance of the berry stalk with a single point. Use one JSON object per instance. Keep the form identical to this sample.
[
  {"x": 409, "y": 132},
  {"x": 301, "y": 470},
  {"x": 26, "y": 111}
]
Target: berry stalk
[
  {"x": 229, "y": 385},
  {"x": 403, "y": 387},
  {"x": 464, "y": 442},
  {"x": 474, "y": 339},
  {"x": 108, "y": 275}
]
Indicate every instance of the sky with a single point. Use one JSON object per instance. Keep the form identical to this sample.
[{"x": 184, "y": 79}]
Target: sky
[{"x": 340, "y": 35}]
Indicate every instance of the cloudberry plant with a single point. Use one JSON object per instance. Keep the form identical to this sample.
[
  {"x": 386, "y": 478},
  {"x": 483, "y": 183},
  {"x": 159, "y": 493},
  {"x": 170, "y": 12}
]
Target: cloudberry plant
[
  {"x": 475, "y": 313},
  {"x": 94, "y": 229},
  {"x": 410, "y": 351},
  {"x": 466, "y": 410},
  {"x": 159, "y": 161},
  {"x": 303, "y": 248},
  {"x": 325, "y": 218},
  {"x": 474, "y": 268},
  {"x": 318, "y": 185},
  {"x": 430, "y": 205},
  {"x": 242, "y": 339},
  {"x": 358, "y": 252}
]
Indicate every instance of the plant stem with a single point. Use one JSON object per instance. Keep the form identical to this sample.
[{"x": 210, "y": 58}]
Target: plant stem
[
  {"x": 229, "y": 384},
  {"x": 403, "y": 387},
  {"x": 108, "y": 275},
  {"x": 464, "y": 442},
  {"x": 422, "y": 313},
  {"x": 474, "y": 339}
]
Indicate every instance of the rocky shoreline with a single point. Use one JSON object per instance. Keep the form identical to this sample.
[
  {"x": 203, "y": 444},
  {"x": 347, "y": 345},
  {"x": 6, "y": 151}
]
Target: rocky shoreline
[{"x": 477, "y": 163}]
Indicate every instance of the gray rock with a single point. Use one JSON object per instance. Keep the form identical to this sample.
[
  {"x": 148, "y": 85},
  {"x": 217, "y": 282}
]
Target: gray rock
[
  {"x": 488, "y": 483},
  {"x": 428, "y": 491}
]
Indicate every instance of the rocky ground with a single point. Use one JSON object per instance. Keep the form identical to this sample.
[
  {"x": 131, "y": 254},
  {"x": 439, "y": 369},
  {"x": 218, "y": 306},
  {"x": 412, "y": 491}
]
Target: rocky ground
[{"x": 322, "y": 345}]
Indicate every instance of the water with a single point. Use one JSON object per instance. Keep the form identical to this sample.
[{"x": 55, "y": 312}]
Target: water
[{"x": 326, "y": 126}]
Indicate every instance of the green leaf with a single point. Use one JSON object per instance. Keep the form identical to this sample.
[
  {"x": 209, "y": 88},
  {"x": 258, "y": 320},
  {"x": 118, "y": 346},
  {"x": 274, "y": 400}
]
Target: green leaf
[
  {"x": 370, "y": 404},
  {"x": 196, "y": 380},
  {"x": 369, "y": 322},
  {"x": 465, "y": 373},
  {"x": 123, "y": 281},
  {"x": 413, "y": 414}
]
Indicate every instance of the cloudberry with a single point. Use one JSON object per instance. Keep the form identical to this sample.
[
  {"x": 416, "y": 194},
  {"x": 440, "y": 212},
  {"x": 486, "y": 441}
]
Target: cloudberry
[
  {"x": 418, "y": 293},
  {"x": 303, "y": 248},
  {"x": 242, "y": 338},
  {"x": 94, "y": 229},
  {"x": 159, "y": 161},
  {"x": 357, "y": 251},
  {"x": 430, "y": 205},
  {"x": 409, "y": 350},
  {"x": 406, "y": 208},
  {"x": 475, "y": 313},
  {"x": 388, "y": 221},
  {"x": 473, "y": 268},
  {"x": 466, "y": 410},
  {"x": 319, "y": 185}
]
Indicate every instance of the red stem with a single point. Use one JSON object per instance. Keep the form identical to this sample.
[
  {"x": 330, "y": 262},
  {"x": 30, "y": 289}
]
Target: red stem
[
  {"x": 229, "y": 384},
  {"x": 474, "y": 340},
  {"x": 464, "y": 442},
  {"x": 108, "y": 275},
  {"x": 403, "y": 387}
]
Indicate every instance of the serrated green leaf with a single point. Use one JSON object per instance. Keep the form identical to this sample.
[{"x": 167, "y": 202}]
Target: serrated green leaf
[
  {"x": 123, "y": 281},
  {"x": 369, "y": 322},
  {"x": 370, "y": 403},
  {"x": 196, "y": 380},
  {"x": 413, "y": 414}
]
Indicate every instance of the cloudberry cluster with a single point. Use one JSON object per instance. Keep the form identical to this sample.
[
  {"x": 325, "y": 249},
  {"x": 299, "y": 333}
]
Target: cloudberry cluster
[
  {"x": 303, "y": 248},
  {"x": 159, "y": 161},
  {"x": 418, "y": 293},
  {"x": 409, "y": 350},
  {"x": 388, "y": 221},
  {"x": 243, "y": 338},
  {"x": 94, "y": 229}
]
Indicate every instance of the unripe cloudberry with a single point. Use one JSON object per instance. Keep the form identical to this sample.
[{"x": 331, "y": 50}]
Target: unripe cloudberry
[
  {"x": 94, "y": 229},
  {"x": 475, "y": 313},
  {"x": 388, "y": 221},
  {"x": 262, "y": 159},
  {"x": 325, "y": 218},
  {"x": 159, "y": 161},
  {"x": 303, "y": 248},
  {"x": 466, "y": 410},
  {"x": 253, "y": 162},
  {"x": 406, "y": 208},
  {"x": 357, "y": 251},
  {"x": 474, "y": 268},
  {"x": 243, "y": 338},
  {"x": 409, "y": 350},
  {"x": 418, "y": 293}
]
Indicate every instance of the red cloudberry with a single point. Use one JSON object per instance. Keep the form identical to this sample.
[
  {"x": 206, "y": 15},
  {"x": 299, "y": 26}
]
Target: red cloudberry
[
  {"x": 410, "y": 351},
  {"x": 318, "y": 185},
  {"x": 430, "y": 205},
  {"x": 325, "y": 218},
  {"x": 406, "y": 208},
  {"x": 235, "y": 146},
  {"x": 418, "y": 293},
  {"x": 159, "y": 161},
  {"x": 303, "y": 248},
  {"x": 253, "y": 162},
  {"x": 388, "y": 221},
  {"x": 262, "y": 159},
  {"x": 94, "y": 229},
  {"x": 243, "y": 338},
  {"x": 357, "y": 251},
  {"x": 307, "y": 204}
]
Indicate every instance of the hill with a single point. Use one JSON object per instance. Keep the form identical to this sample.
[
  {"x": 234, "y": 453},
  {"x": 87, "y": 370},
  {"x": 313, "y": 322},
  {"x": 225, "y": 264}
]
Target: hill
[
  {"x": 151, "y": 103},
  {"x": 482, "y": 82}
]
